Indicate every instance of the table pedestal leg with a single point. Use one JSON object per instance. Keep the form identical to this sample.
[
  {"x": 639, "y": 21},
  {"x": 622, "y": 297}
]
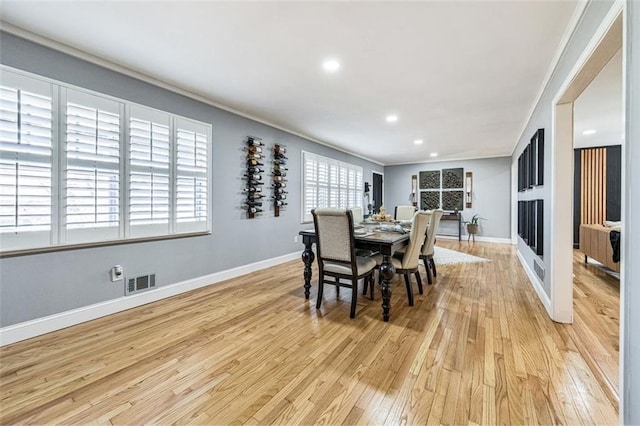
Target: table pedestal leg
[
  {"x": 387, "y": 271},
  {"x": 307, "y": 257}
]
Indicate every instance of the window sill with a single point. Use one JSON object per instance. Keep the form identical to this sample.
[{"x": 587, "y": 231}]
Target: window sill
[{"x": 66, "y": 247}]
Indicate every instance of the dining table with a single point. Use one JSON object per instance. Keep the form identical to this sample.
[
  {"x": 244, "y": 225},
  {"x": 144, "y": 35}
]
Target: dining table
[{"x": 385, "y": 242}]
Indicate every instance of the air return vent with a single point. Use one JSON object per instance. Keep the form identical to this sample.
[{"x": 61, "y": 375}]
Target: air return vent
[
  {"x": 538, "y": 269},
  {"x": 140, "y": 283}
]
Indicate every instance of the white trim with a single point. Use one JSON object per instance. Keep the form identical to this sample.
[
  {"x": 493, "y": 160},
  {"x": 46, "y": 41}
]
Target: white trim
[
  {"x": 479, "y": 239},
  {"x": 28, "y": 329},
  {"x": 449, "y": 159},
  {"x": 85, "y": 56},
  {"x": 560, "y": 255},
  {"x": 535, "y": 282}
]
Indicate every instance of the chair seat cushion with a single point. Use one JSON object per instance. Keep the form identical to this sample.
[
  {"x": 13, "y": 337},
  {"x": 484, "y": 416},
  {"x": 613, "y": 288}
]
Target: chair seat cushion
[{"x": 364, "y": 265}]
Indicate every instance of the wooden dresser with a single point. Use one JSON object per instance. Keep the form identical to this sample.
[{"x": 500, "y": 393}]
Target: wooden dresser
[{"x": 594, "y": 242}]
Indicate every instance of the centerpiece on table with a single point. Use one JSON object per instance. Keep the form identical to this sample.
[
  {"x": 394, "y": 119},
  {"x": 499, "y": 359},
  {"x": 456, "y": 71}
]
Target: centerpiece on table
[{"x": 382, "y": 216}]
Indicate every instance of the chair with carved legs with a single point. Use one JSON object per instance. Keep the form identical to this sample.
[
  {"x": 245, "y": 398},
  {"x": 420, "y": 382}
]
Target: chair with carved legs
[
  {"x": 336, "y": 254},
  {"x": 408, "y": 265}
]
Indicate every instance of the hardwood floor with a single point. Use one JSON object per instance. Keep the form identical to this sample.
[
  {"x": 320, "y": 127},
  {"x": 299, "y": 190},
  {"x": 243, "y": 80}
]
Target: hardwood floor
[
  {"x": 596, "y": 325},
  {"x": 477, "y": 347}
]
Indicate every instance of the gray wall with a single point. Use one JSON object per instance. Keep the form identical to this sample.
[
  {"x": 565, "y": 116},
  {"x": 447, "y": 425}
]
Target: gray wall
[
  {"x": 541, "y": 118},
  {"x": 491, "y": 191},
  {"x": 39, "y": 285},
  {"x": 631, "y": 237}
]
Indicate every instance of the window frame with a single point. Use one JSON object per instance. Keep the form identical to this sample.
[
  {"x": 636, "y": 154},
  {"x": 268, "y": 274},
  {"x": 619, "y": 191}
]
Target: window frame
[
  {"x": 347, "y": 189},
  {"x": 58, "y": 234}
]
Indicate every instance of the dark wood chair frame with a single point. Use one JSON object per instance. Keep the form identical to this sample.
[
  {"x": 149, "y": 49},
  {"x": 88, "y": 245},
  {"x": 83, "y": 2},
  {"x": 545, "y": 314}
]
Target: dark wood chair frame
[{"x": 353, "y": 277}]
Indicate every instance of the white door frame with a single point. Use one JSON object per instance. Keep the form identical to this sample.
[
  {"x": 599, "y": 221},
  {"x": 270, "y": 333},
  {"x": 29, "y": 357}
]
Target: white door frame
[{"x": 587, "y": 66}]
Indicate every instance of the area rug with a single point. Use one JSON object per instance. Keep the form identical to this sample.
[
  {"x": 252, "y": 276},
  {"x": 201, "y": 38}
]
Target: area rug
[{"x": 443, "y": 256}]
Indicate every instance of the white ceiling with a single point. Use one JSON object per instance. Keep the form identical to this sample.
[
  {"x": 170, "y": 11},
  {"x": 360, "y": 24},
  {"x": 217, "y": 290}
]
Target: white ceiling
[
  {"x": 599, "y": 108},
  {"x": 461, "y": 75}
]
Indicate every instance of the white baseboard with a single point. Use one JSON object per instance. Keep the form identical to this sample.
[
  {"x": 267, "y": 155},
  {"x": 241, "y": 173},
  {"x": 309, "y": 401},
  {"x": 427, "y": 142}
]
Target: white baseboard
[
  {"x": 478, "y": 238},
  {"x": 28, "y": 329},
  {"x": 537, "y": 285}
]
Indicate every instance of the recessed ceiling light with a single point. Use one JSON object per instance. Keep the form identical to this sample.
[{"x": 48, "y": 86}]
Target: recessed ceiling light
[
  {"x": 392, "y": 118},
  {"x": 331, "y": 65},
  {"x": 434, "y": 154},
  {"x": 418, "y": 141},
  {"x": 589, "y": 132}
]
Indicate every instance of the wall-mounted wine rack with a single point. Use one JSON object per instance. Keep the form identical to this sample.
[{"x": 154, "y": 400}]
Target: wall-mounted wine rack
[
  {"x": 253, "y": 176},
  {"x": 279, "y": 184}
]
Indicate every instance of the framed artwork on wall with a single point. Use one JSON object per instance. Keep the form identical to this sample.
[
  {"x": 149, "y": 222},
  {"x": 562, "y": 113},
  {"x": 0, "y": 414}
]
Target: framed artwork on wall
[
  {"x": 429, "y": 200},
  {"x": 452, "y": 200},
  {"x": 453, "y": 178},
  {"x": 430, "y": 179}
]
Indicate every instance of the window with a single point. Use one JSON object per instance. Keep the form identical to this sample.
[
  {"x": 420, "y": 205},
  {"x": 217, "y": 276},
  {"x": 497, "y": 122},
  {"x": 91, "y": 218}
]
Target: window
[
  {"x": 329, "y": 183},
  {"x": 79, "y": 167}
]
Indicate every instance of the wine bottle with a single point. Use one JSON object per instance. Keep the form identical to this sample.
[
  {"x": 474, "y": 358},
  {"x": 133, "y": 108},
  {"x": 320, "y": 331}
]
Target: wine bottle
[
  {"x": 255, "y": 196},
  {"x": 252, "y": 182},
  {"x": 254, "y": 210},
  {"x": 280, "y": 196},
  {"x": 279, "y": 191},
  {"x": 280, "y": 148},
  {"x": 254, "y": 170},
  {"x": 280, "y": 203},
  {"x": 279, "y": 173},
  {"x": 253, "y": 176},
  {"x": 280, "y": 184},
  {"x": 280, "y": 167},
  {"x": 253, "y": 203},
  {"x": 254, "y": 149},
  {"x": 279, "y": 156},
  {"x": 251, "y": 141},
  {"x": 252, "y": 162},
  {"x": 251, "y": 189},
  {"x": 278, "y": 178},
  {"x": 279, "y": 161},
  {"x": 254, "y": 156}
]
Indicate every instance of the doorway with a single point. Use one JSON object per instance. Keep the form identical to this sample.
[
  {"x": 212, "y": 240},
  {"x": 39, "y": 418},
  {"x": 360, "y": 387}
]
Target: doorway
[
  {"x": 601, "y": 50},
  {"x": 378, "y": 191}
]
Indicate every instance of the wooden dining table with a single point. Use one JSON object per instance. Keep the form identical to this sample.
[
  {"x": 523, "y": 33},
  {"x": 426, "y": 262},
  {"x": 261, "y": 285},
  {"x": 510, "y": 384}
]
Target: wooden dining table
[{"x": 383, "y": 242}]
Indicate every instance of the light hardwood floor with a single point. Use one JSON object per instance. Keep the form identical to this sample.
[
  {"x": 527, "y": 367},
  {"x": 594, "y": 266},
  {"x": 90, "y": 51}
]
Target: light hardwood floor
[
  {"x": 477, "y": 347},
  {"x": 596, "y": 326}
]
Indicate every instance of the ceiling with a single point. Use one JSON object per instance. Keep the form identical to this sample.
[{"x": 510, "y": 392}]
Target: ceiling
[
  {"x": 599, "y": 108},
  {"x": 462, "y": 76}
]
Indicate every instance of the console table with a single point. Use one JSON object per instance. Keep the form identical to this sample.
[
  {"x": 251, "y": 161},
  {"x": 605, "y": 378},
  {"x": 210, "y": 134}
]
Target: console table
[{"x": 458, "y": 218}]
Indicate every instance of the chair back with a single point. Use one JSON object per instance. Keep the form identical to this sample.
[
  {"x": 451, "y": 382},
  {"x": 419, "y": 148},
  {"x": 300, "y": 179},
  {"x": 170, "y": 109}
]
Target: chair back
[
  {"x": 357, "y": 214},
  {"x": 334, "y": 235},
  {"x": 417, "y": 236},
  {"x": 427, "y": 248},
  {"x": 404, "y": 212}
]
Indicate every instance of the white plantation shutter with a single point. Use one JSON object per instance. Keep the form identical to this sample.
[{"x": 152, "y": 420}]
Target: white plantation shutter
[
  {"x": 26, "y": 147},
  {"x": 309, "y": 185},
  {"x": 92, "y": 173},
  {"x": 329, "y": 183},
  {"x": 192, "y": 153},
  {"x": 150, "y": 169},
  {"x": 80, "y": 167}
]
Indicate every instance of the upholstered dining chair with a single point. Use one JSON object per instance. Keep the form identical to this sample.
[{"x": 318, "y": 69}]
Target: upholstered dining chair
[
  {"x": 408, "y": 265},
  {"x": 336, "y": 254},
  {"x": 357, "y": 214},
  {"x": 426, "y": 254},
  {"x": 404, "y": 212}
]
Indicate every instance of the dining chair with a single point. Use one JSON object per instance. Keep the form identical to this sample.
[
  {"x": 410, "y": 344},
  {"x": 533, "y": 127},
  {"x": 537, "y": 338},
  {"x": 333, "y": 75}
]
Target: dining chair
[
  {"x": 336, "y": 254},
  {"x": 409, "y": 263},
  {"x": 404, "y": 212},
  {"x": 357, "y": 214},
  {"x": 426, "y": 254}
]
